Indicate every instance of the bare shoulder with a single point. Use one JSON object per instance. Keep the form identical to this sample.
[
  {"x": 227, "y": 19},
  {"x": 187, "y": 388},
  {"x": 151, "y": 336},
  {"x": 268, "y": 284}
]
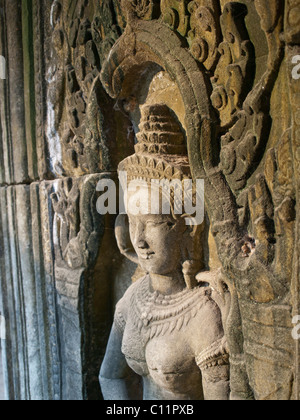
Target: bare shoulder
[
  {"x": 124, "y": 304},
  {"x": 207, "y": 326}
]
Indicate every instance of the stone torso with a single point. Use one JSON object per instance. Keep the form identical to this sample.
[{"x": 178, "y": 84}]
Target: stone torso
[{"x": 165, "y": 338}]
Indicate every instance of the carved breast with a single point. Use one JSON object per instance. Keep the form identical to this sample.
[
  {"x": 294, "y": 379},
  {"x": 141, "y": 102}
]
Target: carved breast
[
  {"x": 171, "y": 363},
  {"x": 168, "y": 359}
]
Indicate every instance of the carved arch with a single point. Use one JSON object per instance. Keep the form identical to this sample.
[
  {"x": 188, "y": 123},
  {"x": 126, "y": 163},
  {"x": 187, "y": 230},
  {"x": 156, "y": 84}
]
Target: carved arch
[{"x": 155, "y": 42}]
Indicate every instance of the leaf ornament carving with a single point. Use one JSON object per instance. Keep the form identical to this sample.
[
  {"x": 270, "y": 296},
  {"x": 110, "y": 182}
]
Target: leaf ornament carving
[
  {"x": 76, "y": 224},
  {"x": 145, "y": 9},
  {"x": 205, "y": 34},
  {"x": 141, "y": 7},
  {"x": 175, "y": 14},
  {"x": 233, "y": 76},
  {"x": 243, "y": 144},
  {"x": 292, "y": 23}
]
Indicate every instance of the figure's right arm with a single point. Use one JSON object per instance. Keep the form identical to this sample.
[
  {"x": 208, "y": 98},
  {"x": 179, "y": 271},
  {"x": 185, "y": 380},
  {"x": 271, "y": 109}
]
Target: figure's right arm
[{"x": 114, "y": 370}]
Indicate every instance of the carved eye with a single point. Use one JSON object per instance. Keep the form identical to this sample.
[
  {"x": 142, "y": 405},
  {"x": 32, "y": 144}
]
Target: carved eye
[{"x": 156, "y": 224}]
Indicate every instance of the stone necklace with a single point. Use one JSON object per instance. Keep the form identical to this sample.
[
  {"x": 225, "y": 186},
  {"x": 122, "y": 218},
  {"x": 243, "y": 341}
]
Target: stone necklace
[{"x": 156, "y": 315}]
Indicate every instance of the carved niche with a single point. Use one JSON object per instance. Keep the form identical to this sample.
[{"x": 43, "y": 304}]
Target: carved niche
[
  {"x": 240, "y": 139},
  {"x": 82, "y": 117}
]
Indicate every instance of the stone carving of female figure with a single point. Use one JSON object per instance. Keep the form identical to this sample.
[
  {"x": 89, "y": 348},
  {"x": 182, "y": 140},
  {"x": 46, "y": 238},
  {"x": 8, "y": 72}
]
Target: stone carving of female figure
[{"x": 167, "y": 328}]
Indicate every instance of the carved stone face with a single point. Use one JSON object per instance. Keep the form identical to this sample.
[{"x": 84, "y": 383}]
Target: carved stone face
[{"x": 157, "y": 241}]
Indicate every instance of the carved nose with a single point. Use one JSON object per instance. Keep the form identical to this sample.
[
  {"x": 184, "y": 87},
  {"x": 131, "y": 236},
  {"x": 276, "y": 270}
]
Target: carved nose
[
  {"x": 142, "y": 244},
  {"x": 140, "y": 237}
]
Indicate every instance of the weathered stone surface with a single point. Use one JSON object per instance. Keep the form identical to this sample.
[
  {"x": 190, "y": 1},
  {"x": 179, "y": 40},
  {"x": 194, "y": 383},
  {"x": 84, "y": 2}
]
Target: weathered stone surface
[
  {"x": 78, "y": 74},
  {"x": 2, "y": 396},
  {"x": 49, "y": 292},
  {"x": 85, "y": 129},
  {"x": 250, "y": 195}
]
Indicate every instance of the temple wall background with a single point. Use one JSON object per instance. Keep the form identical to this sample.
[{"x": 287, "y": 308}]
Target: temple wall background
[{"x": 62, "y": 130}]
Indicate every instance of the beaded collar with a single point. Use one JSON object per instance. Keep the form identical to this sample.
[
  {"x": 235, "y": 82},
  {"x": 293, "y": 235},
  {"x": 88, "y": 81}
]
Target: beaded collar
[{"x": 154, "y": 314}]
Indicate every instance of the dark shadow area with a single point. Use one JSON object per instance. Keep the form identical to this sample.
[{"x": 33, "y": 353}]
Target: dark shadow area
[{"x": 1, "y": 378}]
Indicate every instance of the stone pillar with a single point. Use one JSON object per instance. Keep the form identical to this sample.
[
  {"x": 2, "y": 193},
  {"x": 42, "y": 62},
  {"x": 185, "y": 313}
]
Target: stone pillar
[{"x": 57, "y": 282}]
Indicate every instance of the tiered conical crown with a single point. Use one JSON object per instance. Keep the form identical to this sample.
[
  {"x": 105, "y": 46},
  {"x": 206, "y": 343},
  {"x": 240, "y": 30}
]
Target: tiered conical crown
[{"x": 161, "y": 151}]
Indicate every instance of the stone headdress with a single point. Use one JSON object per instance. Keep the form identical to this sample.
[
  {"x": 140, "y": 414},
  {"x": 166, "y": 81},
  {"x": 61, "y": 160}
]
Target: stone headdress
[
  {"x": 161, "y": 153},
  {"x": 161, "y": 149}
]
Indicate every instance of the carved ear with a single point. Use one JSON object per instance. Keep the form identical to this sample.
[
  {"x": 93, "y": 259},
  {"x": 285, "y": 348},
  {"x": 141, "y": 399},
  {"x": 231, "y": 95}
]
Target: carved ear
[
  {"x": 192, "y": 255},
  {"x": 123, "y": 238}
]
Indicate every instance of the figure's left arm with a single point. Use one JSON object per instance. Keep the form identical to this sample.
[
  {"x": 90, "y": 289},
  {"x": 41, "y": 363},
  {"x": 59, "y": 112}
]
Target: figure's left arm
[
  {"x": 216, "y": 384},
  {"x": 214, "y": 366}
]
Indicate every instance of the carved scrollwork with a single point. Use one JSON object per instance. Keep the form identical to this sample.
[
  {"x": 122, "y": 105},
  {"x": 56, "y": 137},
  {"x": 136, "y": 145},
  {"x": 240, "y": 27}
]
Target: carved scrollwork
[
  {"x": 142, "y": 7},
  {"x": 82, "y": 37},
  {"x": 145, "y": 9},
  {"x": 77, "y": 225},
  {"x": 269, "y": 13},
  {"x": 292, "y": 22},
  {"x": 175, "y": 14},
  {"x": 243, "y": 144},
  {"x": 205, "y": 34},
  {"x": 234, "y": 74}
]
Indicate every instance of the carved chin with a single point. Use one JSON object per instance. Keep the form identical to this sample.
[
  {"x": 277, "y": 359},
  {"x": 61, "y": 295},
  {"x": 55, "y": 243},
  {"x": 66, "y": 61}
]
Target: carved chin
[{"x": 148, "y": 265}]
